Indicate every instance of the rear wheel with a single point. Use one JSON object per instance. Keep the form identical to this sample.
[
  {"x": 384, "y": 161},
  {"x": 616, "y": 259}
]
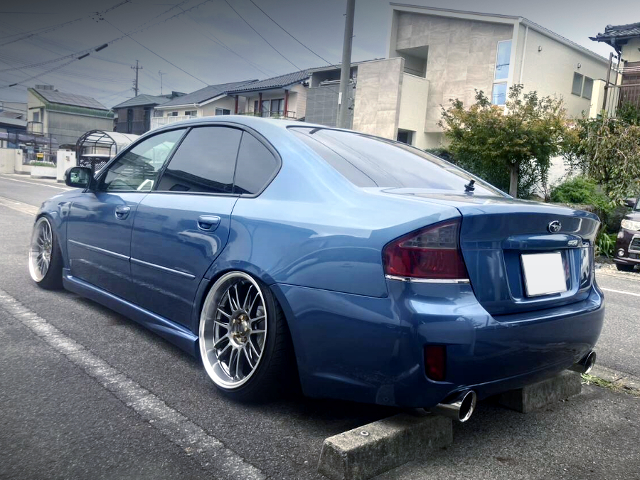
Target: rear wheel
[
  {"x": 45, "y": 259},
  {"x": 244, "y": 340},
  {"x": 625, "y": 268}
]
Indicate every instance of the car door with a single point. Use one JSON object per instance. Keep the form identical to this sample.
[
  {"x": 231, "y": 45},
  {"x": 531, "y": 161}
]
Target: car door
[
  {"x": 183, "y": 225},
  {"x": 100, "y": 221}
]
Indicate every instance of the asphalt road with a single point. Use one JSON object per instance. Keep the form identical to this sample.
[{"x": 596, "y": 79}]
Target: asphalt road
[{"x": 87, "y": 393}]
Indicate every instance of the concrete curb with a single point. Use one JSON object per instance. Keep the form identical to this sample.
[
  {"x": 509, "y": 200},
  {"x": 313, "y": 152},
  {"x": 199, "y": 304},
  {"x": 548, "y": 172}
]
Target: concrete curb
[
  {"x": 539, "y": 395},
  {"x": 372, "y": 449},
  {"x": 621, "y": 379}
]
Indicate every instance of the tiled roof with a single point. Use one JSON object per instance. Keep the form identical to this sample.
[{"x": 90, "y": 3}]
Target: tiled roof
[
  {"x": 142, "y": 100},
  {"x": 274, "y": 82},
  {"x": 205, "y": 93},
  {"x": 618, "y": 31},
  {"x": 54, "y": 96}
]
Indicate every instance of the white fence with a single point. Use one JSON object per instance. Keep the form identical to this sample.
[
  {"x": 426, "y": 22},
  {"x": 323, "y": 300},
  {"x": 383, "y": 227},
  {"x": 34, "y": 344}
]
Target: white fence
[{"x": 157, "y": 122}]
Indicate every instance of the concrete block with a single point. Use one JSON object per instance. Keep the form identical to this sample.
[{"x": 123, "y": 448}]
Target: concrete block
[
  {"x": 375, "y": 448},
  {"x": 541, "y": 394}
]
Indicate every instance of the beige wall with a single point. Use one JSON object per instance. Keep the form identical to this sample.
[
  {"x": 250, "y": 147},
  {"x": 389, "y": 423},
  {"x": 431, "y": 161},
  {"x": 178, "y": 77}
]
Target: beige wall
[
  {"x": 413, "y": 105},
  {"x": 630, "y": 51},
  {"x": 209, "y": 109},
  {"x": 377, "y": 102},
  {"x": 461, "y": 58},
  {"x": 550, "y": 71}
]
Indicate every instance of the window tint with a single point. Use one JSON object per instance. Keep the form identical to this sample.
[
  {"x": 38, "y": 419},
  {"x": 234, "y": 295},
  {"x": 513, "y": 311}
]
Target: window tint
[
  {"x": 204, "y": 162},
  {"x": 256, "y": 165},
  {"x": 376, "y": 162},
  {"x": 138, "y": 168}
]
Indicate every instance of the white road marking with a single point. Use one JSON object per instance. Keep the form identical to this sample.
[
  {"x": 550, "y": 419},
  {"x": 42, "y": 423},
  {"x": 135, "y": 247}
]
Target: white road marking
[
  {"x": 210, "y": 452},
  {"x": 620, "y": 291},
  {"x": 39, "y": 184},
  {"x": 18, "y": 206}
]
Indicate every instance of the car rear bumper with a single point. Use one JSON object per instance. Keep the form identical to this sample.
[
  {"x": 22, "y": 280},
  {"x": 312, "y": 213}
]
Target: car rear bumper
[{"x": 370, "y": 350}]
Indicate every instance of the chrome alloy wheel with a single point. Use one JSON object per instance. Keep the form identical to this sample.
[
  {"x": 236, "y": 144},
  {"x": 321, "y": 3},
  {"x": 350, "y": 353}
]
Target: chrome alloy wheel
[
  {"x": 40, "y": 250},
  {"x": 233, "y": 330}
]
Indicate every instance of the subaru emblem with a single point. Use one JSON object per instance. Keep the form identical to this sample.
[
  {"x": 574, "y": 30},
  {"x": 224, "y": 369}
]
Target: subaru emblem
[{"x": 554, "y": 227}]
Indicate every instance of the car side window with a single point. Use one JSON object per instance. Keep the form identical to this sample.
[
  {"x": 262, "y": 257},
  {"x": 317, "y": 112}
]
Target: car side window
[
  {"x": 255, "y": 167},
  {"x": 204, "y": 162},
  {"x": 137, "y": 169}
]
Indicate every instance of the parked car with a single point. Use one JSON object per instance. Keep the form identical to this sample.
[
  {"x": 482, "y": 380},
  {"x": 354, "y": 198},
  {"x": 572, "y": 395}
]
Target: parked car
[
  {"x": 367, "y": 269},
  {"x": 628, "y": 242}
]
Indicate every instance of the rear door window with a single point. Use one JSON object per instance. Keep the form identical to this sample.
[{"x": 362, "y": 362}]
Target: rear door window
[
  {"x": 204, "y": 162},
  {"x": 256, "y": 166}
]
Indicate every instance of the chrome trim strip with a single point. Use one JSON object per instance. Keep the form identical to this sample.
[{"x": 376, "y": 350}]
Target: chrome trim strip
[
  {"x": 164, "y": 269},
  {"x": 100, "y": 250},
  {"x": 427, "y": 280}
]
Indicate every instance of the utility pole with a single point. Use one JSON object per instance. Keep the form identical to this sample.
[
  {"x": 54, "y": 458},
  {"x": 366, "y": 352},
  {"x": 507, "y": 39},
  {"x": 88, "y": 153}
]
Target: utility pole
[
  {"x": 161, "y": 73},
  {"x": 345, "y": 70},
  {"x": 135, "y": 83}
]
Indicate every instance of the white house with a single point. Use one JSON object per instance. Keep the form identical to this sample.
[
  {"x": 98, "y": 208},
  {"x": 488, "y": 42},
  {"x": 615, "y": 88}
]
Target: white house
[{"x": 208, "y": 101}]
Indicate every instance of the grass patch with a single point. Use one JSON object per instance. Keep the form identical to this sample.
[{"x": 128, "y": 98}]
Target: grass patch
[{"x": 616, "y": 387}]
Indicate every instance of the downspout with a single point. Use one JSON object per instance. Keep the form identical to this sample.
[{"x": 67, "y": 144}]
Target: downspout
[{"x": 524, "y": 53}]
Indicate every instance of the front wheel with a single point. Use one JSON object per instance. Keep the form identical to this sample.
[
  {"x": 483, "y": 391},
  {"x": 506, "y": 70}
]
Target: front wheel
[
  {"x": 45, "y": 259},
  {"x": 244, "y": 340}
]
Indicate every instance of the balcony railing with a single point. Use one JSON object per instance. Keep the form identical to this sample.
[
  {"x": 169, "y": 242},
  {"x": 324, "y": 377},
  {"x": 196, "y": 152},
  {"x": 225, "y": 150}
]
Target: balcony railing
[
  {"x": 157, "y": 122},
  {"x": 289, "y": 114}
]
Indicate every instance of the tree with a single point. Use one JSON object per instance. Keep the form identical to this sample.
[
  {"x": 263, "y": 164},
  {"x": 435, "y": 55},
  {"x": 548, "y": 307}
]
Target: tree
[
  {"x": 510, "y": 146},
  {"x": 608, "y": 151}
]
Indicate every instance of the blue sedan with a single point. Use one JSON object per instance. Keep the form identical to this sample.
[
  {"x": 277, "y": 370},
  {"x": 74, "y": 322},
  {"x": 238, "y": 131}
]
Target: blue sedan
[{"x": 368, "y": 269}]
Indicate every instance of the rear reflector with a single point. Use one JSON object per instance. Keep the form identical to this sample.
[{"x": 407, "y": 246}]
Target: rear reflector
[
  {"x": 431, "y": 253},
  {"x": 435, "y": 361}
]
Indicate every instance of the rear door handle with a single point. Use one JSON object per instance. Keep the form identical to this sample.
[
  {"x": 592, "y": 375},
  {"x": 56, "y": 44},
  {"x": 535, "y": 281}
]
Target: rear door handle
[
  {"x": 208, "y": 223},
  {"x": 122, "y": 212}
]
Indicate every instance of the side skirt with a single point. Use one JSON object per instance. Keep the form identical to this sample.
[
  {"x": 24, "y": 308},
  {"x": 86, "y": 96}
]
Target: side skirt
[{"x": 177, "y": 334}]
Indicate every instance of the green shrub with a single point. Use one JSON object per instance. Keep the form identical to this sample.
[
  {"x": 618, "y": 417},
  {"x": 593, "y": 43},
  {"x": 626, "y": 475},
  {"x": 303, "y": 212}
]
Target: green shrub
[
  {"x": 43, "y": 164},
  {"x": 606, "y": 244}
]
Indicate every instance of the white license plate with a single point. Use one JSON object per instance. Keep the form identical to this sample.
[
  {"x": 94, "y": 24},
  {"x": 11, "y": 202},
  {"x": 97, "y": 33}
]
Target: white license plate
[{"x": 543, "y": 274}]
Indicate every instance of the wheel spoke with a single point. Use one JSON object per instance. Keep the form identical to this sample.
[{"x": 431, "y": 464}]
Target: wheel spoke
[
  {"x": 254, "y": 301},
  {"x": 246, "y": 298},
  {"x": 255, "y": 319},
  {"x": 222, "y": 352},
  {"x": 231, "y": 305},
  {"x": 231, "y": 357},
  {"x": 224, "y": 313},
  {"x": 235, "y": 287},
  {"x": 246, "y": 355},
  {"x": 220, "y": 340},
  {"x": 255, "y": 352},
  {"x": 237, "y": 364},
  {"x": 255, "y": 332}
]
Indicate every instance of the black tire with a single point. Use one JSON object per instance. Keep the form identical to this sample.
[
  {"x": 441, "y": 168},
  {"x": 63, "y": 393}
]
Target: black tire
[
  {"x": 52, "y": 279},
  {"x": 625, "y": 268},
  {"x": 276, "y": 372}
]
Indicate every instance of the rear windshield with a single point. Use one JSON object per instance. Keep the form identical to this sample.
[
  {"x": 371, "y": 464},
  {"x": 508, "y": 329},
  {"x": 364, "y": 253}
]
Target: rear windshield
[{"x": 376, "y": 162}]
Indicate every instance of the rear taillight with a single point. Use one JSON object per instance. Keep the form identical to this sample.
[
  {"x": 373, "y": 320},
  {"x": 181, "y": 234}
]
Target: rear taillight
[
  {"x": 430, "y": 253},
  {"x": 435, "y": 362}
]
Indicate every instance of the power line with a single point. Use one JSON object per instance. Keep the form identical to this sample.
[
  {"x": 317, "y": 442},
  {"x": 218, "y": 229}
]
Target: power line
[
  {"x": 266, "y": 41},
  {"x": 60, "y": 25},
  {"x": 158, "y": 55},
  {"x": 291, "y": 35},
  {"x": 220, "y": 43}
]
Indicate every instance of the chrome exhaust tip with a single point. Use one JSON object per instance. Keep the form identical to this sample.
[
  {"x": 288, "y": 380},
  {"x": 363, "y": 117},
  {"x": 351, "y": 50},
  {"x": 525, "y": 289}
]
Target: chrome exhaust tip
[
  {"x": 460, "y": 408},
  {"x": 586, "y": 364}
]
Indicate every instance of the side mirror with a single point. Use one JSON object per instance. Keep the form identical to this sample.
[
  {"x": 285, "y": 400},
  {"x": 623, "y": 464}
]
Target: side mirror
[
  {"x": 78, "y": 177},
  {"x": 630, "y": 202}
]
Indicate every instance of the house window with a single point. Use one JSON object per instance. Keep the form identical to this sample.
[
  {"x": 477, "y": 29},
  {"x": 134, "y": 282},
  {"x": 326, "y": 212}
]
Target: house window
[
  {"x": 277, "y": 107},
  {"x": 503, "y": 58},
  {"x": 129, "y": 120},
  {"x": 499, "y": 95},
  {"x": 576, "y": 88},
  {"x": 256, "y": 107},
  {"x": 223, "y": 111},
  {"x": 587, "y": 88},
  {"x": 191, "y": 113},
  {"x": 172, "y": 114},
  {"x": 501, "y": 74},
  {"x": 36, "y": 117},
  {"x": 266, "y": 108}
]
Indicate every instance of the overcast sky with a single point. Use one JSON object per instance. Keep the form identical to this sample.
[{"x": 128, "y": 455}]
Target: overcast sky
[{"x": 192, "y": 40}]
